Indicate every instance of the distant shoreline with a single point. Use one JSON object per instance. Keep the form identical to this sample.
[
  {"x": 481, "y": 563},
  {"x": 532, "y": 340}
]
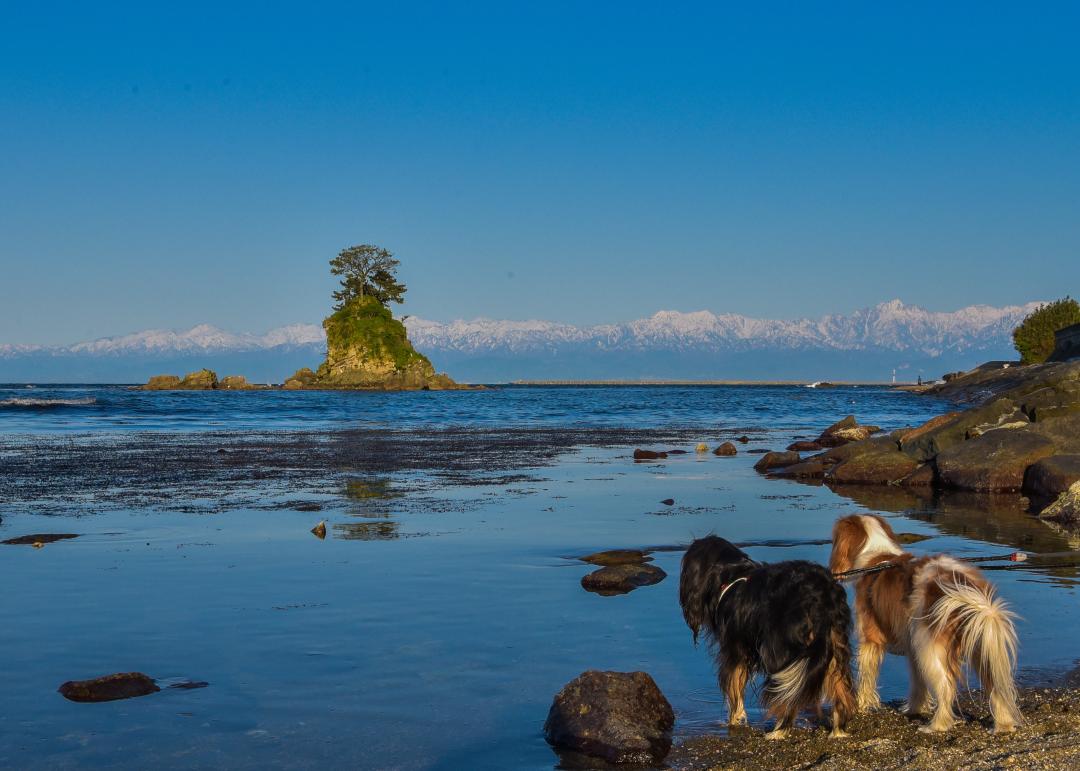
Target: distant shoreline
[{"x": 830, "y": 383}]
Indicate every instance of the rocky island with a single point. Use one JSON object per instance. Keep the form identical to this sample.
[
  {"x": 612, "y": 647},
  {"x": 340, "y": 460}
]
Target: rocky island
[{"x": 366, "y": 347}]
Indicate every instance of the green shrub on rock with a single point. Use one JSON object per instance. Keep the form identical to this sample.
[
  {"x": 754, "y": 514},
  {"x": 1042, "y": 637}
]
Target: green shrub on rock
[{"x": 1034, "y": 338}]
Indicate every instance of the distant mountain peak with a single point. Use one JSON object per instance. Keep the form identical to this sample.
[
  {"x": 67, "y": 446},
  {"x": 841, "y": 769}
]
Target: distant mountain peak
[{"x": 698, "y": 343}]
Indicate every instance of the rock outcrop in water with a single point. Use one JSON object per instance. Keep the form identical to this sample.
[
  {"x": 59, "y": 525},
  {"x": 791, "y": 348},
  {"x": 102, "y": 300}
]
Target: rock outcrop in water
[
  {"x": 200, "y": 380},
  {"x": 1023, "y": 434},
  {"x": 367, "y": 348}
]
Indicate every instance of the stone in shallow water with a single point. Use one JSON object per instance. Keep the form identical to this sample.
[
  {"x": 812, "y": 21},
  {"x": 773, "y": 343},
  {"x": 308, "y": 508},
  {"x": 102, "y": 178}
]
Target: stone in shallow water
[
  {"x": 726, "y": 449},
  {"x": 620, "y": 579},
  {"x": 123, "y": 685},
  {"x": 618, "y": 717},
  {"x": 648, "y": 455},
  {"x": 36, "y": 538},
  {"x": 617, "y": 557}
]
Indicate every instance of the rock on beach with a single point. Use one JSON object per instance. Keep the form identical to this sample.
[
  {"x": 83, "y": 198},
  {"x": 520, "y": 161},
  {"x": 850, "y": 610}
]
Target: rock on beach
[{"x": 617, "y": 717}]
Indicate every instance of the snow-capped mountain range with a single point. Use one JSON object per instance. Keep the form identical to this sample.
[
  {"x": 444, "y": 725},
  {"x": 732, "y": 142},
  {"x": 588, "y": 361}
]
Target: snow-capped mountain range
[{"x": 669, "y": 344}]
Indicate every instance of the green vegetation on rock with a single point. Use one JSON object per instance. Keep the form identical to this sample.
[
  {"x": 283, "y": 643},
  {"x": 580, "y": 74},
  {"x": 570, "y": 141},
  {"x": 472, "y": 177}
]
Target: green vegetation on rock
[{"x": 1034, "y": 338}]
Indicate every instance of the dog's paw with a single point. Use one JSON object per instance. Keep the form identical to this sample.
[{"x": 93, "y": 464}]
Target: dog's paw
[
  {"x": 776, "y": 734},
  {"x": 935, "y": 729},
  {"x": 1004, "y": 728},
  {"x": 738, "y": 720},
  {"x": 838, "y": 733}
]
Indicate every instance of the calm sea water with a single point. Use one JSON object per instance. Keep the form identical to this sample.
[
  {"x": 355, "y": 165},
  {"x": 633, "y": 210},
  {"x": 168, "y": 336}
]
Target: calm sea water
[{"x": 424, "y": 635}]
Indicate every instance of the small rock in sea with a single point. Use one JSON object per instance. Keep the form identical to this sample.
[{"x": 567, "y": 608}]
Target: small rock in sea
[
  {"x": 123, "y": 685},
  {"x": 743, "y": 439},
  {"x": 726, "y": 449},
  {"x": 676, "y": 452},
  {"x": 758, "y": 451},
  {"x": 648, "y": 455},
  {"x": 617, "y": 557},
  {"x": 773, "y": 460},
  {"x": 618, "y": 717},
  {"x": 668, "y": 501},
  {"x": 702, "y": 447},
  {"x": 312, "y": 506},
  {"x": 805, "y": 447},
  {"x": 37, "y": 540},
  {"x": 620, "y": 579},
  {"x": 319, "y": 530}
]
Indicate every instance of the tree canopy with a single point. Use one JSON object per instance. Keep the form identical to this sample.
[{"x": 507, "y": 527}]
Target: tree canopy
[
  {"x": 367, "y": 271},
  {"x": 1034, "y": 338}
]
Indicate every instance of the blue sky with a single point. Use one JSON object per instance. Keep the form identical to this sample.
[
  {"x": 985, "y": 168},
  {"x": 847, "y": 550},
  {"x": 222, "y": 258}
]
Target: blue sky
[{"x": 583, "y": 162}]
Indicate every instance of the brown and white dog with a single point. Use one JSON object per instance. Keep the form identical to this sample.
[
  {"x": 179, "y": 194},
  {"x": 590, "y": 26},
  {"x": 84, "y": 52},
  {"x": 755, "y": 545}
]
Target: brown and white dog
[{"x": 938, "y": 611}]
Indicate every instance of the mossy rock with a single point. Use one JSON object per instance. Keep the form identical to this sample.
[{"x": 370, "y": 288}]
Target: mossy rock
[
  {"x": 200, "y": 380},
  {"x": 366, "y": 347},
  {"x": 162, "y": 383}
]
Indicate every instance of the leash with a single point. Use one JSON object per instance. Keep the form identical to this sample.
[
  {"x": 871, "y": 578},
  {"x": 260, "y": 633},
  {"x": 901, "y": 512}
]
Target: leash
[{"x": 1016, "y": 556}]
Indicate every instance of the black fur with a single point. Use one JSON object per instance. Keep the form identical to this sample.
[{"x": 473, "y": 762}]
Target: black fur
[{"x": 782, "y": 613}]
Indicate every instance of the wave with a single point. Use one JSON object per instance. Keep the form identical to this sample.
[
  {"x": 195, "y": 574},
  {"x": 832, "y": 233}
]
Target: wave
[{"x": 45, "y": 403}]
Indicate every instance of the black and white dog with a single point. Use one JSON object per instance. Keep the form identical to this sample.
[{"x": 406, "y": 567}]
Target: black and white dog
[{"x": 787, "y": 620}]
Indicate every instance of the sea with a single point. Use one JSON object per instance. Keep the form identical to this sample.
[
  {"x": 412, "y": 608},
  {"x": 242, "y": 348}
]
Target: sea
[{"x": 443, "y": 610}]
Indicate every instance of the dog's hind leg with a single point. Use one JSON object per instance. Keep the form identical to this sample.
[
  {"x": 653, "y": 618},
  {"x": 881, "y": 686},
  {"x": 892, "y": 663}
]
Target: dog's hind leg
[
  {"x": 932, "y": 659},
  {"x": 871, "y": 654},
  {"x": 919, "y": 701},
  {"x": 733, "y": 679}
]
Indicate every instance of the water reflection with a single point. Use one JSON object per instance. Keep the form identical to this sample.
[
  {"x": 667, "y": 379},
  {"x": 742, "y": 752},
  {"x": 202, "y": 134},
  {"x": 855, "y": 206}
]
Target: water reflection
[
  {"x": 1003, "y": 518},
  {"x": 380, "y": 530}
]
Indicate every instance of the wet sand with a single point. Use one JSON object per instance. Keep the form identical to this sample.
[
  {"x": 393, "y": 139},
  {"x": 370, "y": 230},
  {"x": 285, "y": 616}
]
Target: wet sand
[{"x": 887, "y": 739}]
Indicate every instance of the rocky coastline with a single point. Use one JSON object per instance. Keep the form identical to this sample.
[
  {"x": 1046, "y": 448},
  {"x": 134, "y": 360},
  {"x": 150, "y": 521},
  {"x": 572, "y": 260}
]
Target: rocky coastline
[{"x": 1017, "y": 431}]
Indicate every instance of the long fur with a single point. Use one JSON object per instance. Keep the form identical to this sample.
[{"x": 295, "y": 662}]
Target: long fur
[
  {"x": 939, "y": 612},
  {"x": 789, "y": 621}
]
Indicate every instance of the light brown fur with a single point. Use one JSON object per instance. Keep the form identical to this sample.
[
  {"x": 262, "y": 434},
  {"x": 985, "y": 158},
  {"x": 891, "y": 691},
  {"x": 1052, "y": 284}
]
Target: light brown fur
[{"x": 938, "y": 612}]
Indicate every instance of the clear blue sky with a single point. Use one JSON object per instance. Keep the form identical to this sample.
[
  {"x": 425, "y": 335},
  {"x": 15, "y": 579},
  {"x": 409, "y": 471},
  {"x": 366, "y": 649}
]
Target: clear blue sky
[{"x": 578, "y": 161}]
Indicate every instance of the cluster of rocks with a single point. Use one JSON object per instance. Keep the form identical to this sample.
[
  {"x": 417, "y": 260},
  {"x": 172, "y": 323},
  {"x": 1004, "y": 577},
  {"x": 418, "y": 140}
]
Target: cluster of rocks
[
  {"x": 1025, "y": 438},
  {"x": 200, "y": 380},
  {"x": 621, "y": 571}
]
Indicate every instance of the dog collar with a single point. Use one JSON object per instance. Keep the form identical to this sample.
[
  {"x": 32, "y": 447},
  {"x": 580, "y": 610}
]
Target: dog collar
[{"x": 725, "y": 587}]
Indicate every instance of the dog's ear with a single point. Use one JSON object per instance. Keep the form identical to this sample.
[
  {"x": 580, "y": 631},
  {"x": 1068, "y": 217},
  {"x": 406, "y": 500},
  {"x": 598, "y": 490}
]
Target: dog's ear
[
  {"x": 692, "y": 580},
  {"x": 848, "y": 539}
]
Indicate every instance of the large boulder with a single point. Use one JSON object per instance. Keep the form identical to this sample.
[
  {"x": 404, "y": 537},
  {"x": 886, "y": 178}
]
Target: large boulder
[
  {"x": 618, "y": 717},
  {"x": 993, "y": 462},
  {"x": 162, "y": 383},
  {"x": 845, "y": 431},
  {"x": 235, "y": 383},
  {"x": 939, "y": 434},
  {"x": 1050, "y": 477},
  {"x": 811, "y": 468},
  {"x": 884, "y": 466},
  {"x": 1066, "y": 508},
  {"x": 199, "y": 380},
  {"x": 771, "y": 460},
  {"x": 302, "y": 378}
]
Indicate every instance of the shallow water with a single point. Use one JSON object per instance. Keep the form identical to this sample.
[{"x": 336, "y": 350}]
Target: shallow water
[{"x": 433, "y": 625}]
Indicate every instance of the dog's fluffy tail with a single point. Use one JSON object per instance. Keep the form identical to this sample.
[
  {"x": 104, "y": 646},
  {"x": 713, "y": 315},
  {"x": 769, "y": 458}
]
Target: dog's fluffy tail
[
  {"x": 986, "y": 640},
  {"x": 823, "y": 670}
]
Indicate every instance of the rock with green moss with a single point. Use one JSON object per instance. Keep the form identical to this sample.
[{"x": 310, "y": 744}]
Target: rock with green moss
[
  {"x": 367, "y": 348},
  {"x": 162, "y": 383},
  {"x": 302, "y": 378},
  {"x": 200, "y": 380}
]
